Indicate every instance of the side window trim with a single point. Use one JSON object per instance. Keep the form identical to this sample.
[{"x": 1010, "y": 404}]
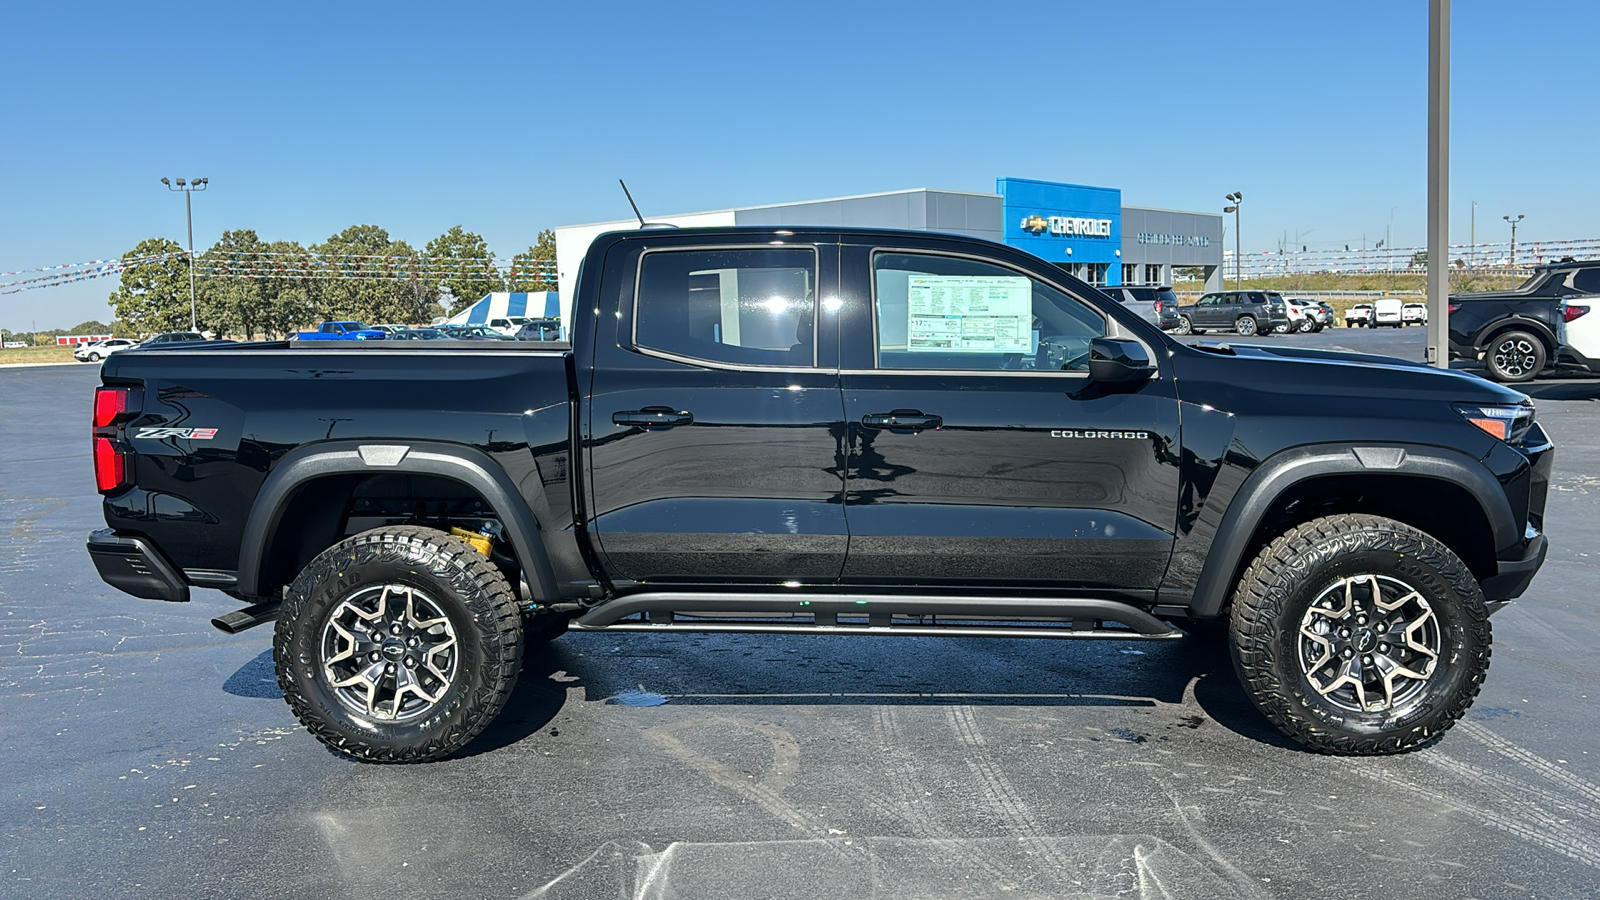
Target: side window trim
[
  {"x": 638, "y": 280},
  {"x": 878, "y": 369}
]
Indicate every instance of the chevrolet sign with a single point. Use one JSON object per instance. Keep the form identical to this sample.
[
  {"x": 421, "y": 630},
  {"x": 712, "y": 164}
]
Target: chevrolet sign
[{"x": 1067, "y": 226}]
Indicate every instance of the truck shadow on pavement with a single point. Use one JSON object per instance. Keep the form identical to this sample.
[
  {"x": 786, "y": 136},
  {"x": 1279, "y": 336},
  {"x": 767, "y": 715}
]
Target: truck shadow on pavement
[{"x": 1153, "y": 677}]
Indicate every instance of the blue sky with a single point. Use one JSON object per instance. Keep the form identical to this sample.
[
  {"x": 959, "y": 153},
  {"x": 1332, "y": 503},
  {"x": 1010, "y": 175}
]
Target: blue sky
[{"x": 509, "y": 118}]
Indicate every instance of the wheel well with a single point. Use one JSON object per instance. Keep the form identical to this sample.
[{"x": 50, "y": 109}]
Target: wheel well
[
  {"x": 323, "y": 511},
  {"x": 1438, "y": 508},
  {"x": 1503, "y": 328}
]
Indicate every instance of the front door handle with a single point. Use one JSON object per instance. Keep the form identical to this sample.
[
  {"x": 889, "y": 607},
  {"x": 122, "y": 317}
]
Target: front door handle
[
  {"x": 653, "y": 417},
  {"x": 905, "y": 420}
]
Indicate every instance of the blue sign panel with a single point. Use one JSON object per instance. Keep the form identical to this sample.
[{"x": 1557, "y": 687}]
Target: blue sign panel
[{"x": 1064, "y": 223}]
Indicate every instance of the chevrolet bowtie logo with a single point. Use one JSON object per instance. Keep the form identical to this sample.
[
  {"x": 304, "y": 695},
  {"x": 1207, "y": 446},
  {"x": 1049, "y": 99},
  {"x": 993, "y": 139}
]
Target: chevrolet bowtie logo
[{"x": 1035, "y": 224}]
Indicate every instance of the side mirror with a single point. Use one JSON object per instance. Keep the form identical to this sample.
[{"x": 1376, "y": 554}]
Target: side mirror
[{"x": 1118, "y": 361}]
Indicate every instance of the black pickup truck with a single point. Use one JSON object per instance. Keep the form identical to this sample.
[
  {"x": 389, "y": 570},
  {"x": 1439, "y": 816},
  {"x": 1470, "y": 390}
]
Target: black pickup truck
[{"x": 824, "y": 431}]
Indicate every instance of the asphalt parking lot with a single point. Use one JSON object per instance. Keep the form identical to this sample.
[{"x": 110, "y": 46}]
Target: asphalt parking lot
[{"x": 146, "y": 754}]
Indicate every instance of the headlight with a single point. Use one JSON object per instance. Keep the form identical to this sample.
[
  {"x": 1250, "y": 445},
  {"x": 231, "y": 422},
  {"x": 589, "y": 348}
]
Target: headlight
[{"x": 1508, "y": 423}]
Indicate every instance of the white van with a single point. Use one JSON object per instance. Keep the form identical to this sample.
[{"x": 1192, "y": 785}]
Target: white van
[{"x": 1387, "y": 311}]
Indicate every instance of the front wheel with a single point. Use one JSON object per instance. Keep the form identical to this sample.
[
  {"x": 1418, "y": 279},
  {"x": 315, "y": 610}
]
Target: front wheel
[
  {"x": 399, "y": 644},
  {"x": 1514, "y": 357},
  {"x": 1360, "y": 635},
  {"x": 1245, "y": 326},
  {"x": 1185, "y": 326}
]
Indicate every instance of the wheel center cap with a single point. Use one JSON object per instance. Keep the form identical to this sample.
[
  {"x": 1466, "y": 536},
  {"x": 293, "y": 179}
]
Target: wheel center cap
[
  {"x": 393, "y": 649},
  {"x": 1366, "y": 640}
]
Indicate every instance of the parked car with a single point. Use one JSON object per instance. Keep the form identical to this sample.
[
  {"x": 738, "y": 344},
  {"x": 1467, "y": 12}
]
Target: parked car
[
  {"x": 473, "y": 333},
  {"x": 1302, "y": 319},
  {"x": 419, "y": 334},
  {"x": 343, "y": 331},
  {"x": 172, "y": 337},
  {"x": 1157, "y": 305},
  {"x": 696, "y": 463},
  {"x": 1386, "y": 312},
  {"x": 101, "y": 349},
  {"x": 1358, "y": 316},
  {"x": 540, "y": 330},
  {"x": 1319, "y": 311},
  {"x": 1248, "y": 313},
  {"x": 508, "y": 325},
  {"x": 1548, "y": 320},
  {"x": 1414, "y": 314},
  {"x": 390, "y": 330}
]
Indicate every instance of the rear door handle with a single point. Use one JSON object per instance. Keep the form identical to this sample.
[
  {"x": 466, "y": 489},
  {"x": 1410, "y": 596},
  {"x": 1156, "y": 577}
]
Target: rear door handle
[
  {"x": 902, "y": 420},
  {"x": 653, "y": 417}
]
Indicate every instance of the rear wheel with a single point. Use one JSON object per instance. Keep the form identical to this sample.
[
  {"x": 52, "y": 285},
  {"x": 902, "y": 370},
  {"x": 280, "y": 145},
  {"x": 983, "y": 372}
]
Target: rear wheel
[
  {"x": 1185, "y": 326},
  {"x": 1515, "y": 356},
  {"x": 1245, "y": 325},
  {"x": 399, "y": 644},
  {"x": 1356, "y": 634},
  {"x": 94, "y": 357}
]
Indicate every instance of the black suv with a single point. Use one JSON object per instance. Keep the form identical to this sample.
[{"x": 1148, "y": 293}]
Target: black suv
[
  {"x": 1517, "y": 333},
  {"x": 1247, "y": 312}
]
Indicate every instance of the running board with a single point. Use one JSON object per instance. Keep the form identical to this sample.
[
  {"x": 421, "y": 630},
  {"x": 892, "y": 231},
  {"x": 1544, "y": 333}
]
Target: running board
[{"x": 875, "y": 614}]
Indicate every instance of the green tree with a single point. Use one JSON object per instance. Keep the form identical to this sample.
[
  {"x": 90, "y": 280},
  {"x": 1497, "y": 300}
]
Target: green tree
[
  {"x": 368, "y": 276},
  {"x": 461, "y": 261},
  {"x": 93, "y": 326},
  {"x": 233, "y": 295},
  {"x": 526, "y": 272},
  {"x": 287, "y": 291},
  {"x": 154, "y": 295}
]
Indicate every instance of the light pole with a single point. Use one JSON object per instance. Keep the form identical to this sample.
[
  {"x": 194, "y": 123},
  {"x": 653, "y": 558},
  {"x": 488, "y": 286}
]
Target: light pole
[
  {"x": 188, "y": 189},
  {"x": 1237, "y": 199},
  {"x": 1513, "y": 237}
]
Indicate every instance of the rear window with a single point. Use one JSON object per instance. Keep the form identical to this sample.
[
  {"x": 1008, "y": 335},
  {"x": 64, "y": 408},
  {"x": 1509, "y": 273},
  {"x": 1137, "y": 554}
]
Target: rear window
[{"x": 1587, "y": 280}]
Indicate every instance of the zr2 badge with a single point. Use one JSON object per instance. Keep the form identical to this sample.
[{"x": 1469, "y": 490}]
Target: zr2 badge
[{"x": 193, "y": 434}]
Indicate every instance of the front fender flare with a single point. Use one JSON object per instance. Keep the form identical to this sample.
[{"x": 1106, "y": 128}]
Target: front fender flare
[
  {"x": 1287, "y": 468},
  {"x": 468, "y": 465}
]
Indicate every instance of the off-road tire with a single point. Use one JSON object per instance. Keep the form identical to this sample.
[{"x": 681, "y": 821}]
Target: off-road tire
[
  {"x": 477, "y": 604},
  {"x": 1515, "y": 357},
  {"x": 1240, "y": 326},
  {"x": 1185, "y": 326},
  {"x": 1273, "y": 601}
]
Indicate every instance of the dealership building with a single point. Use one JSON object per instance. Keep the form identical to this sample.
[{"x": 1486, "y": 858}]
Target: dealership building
[{"x": 1085, "y": 230}]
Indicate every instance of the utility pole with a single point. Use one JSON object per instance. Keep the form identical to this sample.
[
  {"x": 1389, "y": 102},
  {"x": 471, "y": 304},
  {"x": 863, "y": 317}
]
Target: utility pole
[
  {"x": 1237, "y": 199},
  {"x": 1438, "y": 182},
  {"x": 188, "y": 189},
  {"x": 1472, "y": 256},
  {"x": 1513, "y": 222}
]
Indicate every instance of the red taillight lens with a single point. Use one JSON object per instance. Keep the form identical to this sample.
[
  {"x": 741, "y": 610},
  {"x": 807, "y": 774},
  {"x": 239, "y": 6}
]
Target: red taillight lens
[
  {"x": 1454, "y": 307},
  {"x": 110, "y": 465},
  {"x": 1159, "y": 307},
  {"x": 1570, "y": 312},
  {"x": 109, "y": 402}
]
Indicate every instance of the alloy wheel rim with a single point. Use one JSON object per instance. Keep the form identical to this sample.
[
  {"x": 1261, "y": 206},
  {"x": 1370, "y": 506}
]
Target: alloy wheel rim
[
  {"x": 1247, "y": 326},
  {"x": 1514, "y": 358},
  {"x": 1369, "y": 643},
  {"x": 389, "y": 653}
]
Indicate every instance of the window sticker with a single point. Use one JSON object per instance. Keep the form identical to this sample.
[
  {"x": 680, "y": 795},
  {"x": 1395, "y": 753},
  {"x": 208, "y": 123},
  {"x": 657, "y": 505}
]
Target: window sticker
[{"x": 970, "y": 314}]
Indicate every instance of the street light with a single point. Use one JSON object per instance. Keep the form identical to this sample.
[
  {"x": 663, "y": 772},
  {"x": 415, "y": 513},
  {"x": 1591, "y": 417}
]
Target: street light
[
  {"x": 1513, "y": 237},
  {"x": 1237, "y": 199},
  {"x": 188, "y": 188}
]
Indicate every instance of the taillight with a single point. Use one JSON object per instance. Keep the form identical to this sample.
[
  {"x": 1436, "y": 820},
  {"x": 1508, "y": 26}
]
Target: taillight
[
  {"x": 113, "y": 407},
  {"x": 1570, "y": 312},
  {"x": 1159, "y": 307},
  {"x": 1454, "y": 307},
  {"x": 109, "y": 402},
  {"x": 110, "y": 465}
]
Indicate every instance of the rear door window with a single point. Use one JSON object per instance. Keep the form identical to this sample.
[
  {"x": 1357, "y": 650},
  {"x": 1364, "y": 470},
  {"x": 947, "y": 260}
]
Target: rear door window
[{"x": 734, "y": 306}]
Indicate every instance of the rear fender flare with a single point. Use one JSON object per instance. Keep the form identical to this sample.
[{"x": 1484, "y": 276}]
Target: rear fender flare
[
  {"x": 467, "y": 465},
  {"x": 1519, "y": 323},
  {"x": 1283, "y": 470}
]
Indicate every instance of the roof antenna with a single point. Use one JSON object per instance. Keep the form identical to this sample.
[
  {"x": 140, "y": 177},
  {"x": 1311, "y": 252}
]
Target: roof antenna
[
  {"x": 625, "y": 193},
  {"x": 642, "y": 223}
]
